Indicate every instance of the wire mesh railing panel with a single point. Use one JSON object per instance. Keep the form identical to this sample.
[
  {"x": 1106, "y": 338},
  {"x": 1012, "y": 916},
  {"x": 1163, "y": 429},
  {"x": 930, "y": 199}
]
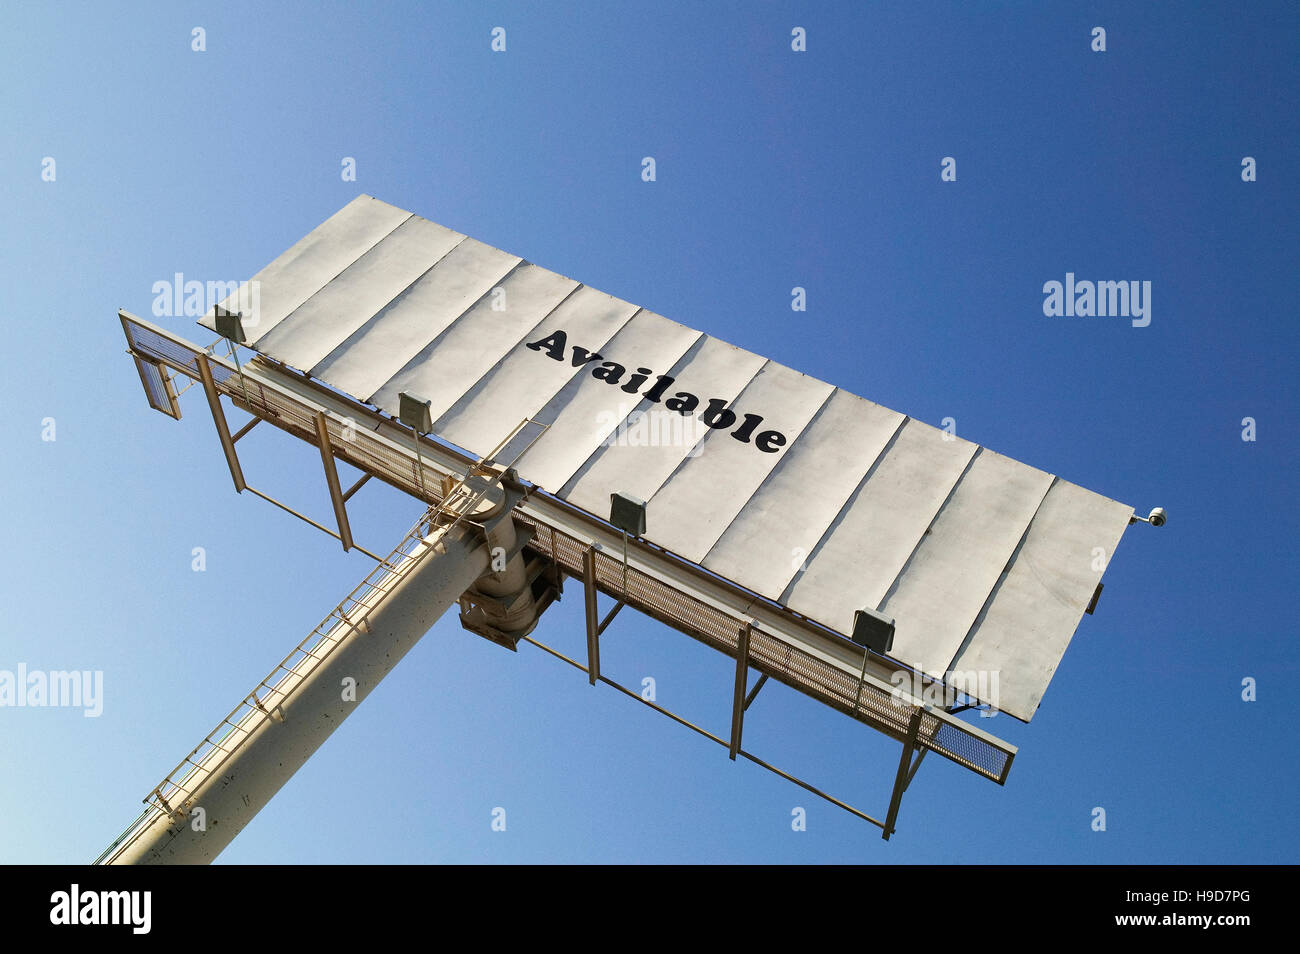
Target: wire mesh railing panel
[{"x": 155, "y": 387}]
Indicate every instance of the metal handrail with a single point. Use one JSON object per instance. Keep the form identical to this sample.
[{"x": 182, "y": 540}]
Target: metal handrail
[
  {"x": 390, "y": 568},
  {"x": 165, "y": 793}
]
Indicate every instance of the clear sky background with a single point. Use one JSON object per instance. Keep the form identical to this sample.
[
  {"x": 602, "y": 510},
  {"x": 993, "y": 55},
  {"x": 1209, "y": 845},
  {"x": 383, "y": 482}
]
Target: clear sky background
[{"x": 775, "y": 169}]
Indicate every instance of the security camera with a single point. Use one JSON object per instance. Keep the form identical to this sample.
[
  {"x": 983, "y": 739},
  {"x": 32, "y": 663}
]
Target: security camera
[{"x": 1157, "y": 517}]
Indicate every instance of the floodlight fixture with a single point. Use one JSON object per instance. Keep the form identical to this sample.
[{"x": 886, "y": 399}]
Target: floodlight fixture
[
  {"x": 627, "y": 513},
  {"x": 414, "y": 411},
  {"x": 873, "y": 631},
  {"x": 875, "y": 634},
  {"x": 230, "y": 325}
]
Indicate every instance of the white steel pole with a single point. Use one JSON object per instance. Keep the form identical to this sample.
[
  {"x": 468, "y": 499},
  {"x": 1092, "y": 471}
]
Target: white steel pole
[{"x": 279, "y": 746}]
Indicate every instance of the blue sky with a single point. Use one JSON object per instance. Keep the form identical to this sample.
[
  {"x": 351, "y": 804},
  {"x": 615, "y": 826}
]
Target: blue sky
[{"x": 775, "y": 169}]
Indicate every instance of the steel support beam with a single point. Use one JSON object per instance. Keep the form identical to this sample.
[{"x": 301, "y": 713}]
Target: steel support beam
[
  {"x": 245, "y": 429},
  {"x": 219, "y": 418},
  {"x": 347, "y": 494},
  {"x": 903, "y": 776},
  {"x": 742, "y": 683},
  {"x": 709, "y": 735},
  {"x": 332, "y": 479},
  {"x": 593, "y": 625},
  {"x": 306, "y": 519},
  {"x": 911, "y": 773},
  {"x": 609, "y": 617}
]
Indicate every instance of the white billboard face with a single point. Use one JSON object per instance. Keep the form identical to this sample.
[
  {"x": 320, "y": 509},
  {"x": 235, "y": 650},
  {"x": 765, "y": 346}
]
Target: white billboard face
[{"x": 792, "y": 488}]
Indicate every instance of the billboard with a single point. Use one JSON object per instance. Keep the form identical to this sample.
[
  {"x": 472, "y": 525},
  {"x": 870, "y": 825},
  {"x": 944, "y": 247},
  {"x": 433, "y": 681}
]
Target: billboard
[{"x": 794, "y": 489}]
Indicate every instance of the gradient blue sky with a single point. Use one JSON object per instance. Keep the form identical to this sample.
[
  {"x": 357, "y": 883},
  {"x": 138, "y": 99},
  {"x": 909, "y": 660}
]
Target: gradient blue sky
[{"x": 775, "y": 169}]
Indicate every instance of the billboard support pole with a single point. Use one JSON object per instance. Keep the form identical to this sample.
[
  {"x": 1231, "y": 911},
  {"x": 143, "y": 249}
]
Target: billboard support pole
[{"x": 277, "y": 727}]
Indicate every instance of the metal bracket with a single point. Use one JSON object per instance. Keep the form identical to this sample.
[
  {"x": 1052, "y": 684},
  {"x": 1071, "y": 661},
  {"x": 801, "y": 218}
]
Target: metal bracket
[
  {"x": 1092, "y": 603},
  {"x": 275, "y": 715},
  {"x": 609, "y": 617}
]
